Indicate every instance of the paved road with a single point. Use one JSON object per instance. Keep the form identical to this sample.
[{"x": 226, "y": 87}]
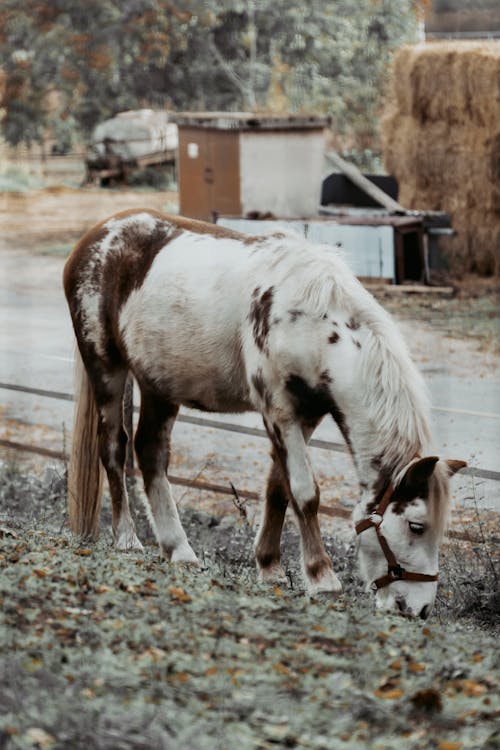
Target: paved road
[{"x": 36, "y": 350}]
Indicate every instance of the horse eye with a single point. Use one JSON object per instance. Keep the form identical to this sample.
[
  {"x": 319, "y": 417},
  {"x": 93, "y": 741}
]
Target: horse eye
[{"x": 416, "y": 528}]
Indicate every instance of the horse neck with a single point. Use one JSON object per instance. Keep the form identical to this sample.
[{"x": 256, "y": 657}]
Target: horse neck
[
  {"x": 386, "y": 409},
  {"x": 378, "y": 462}
]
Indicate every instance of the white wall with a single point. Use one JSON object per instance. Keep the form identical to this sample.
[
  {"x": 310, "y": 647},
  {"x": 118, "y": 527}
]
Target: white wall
[{"x": 281, "y": 172}]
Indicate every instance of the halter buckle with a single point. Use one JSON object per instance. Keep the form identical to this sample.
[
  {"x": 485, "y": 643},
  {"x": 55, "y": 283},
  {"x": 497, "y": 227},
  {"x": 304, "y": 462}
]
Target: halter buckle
[{"x": 396, "y": 572}]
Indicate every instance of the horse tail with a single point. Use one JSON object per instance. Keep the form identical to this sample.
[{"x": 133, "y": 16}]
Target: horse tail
[{"x": 85, "y": 472}]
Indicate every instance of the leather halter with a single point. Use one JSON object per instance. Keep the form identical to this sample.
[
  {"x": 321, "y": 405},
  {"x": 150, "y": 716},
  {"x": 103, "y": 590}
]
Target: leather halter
[{"x": 394, "y": 571}]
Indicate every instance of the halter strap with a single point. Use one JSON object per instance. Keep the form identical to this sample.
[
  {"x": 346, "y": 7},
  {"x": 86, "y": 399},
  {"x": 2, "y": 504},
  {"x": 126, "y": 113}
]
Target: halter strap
[{"x": 395, "y": 572}]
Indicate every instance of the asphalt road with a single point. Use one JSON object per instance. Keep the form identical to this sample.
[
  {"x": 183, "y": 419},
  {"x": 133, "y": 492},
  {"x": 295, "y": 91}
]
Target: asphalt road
[{"x": 36, "y": 350}]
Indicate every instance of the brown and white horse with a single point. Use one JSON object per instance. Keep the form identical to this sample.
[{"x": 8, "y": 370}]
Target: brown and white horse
[{"x": 215, "y": 320}]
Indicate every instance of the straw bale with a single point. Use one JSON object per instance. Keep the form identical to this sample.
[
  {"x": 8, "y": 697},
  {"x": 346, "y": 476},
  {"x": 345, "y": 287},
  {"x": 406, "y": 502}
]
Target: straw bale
[
  {"x": 452, "y": 81},
  {"x": 441, "y": 140}
]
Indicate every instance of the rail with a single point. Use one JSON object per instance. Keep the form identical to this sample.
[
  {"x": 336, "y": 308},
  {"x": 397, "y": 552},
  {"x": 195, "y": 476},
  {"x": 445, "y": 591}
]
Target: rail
[
  {"x": 473, "y": 471},
  {"x": 232, "y": 491}
]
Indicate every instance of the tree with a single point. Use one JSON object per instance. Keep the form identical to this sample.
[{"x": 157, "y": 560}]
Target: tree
[{"x": 71, "y": 63}]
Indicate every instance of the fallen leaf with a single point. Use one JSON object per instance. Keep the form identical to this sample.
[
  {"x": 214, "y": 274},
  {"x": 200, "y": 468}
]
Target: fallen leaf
[
  {"x": 472, "y": 688},
  {"x": 281, "y": 669},
  {"x": 82, "y": 551},
  {"x": 415, "y": 667},
  {"x": 102, "y": 589},
  {"x": 178, "y": 594},
  {"x": 447, "y": 745},
  {"x": 37, "y": 736},
  {"x": 389, "y": 694}
]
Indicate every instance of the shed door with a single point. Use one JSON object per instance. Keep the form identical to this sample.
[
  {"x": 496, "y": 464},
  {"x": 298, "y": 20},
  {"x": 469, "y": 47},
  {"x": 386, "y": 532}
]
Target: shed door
[{"x": 209, "y": 174}]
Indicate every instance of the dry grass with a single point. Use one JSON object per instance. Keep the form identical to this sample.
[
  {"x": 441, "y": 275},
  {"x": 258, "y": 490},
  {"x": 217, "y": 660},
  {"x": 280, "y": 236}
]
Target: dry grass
[{"x": 441, "y": 141}]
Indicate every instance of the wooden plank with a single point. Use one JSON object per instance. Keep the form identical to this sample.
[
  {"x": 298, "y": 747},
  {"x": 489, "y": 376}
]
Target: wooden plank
[
  {"x": 399, "y": 289},
  {"x": 353, "y": 174}
]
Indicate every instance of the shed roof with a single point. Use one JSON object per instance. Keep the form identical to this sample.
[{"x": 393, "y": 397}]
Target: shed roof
[{"x": 250, "y": 121}]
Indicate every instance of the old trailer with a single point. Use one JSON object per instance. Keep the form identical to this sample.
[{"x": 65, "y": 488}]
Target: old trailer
[{"x": 131, "y": 140}]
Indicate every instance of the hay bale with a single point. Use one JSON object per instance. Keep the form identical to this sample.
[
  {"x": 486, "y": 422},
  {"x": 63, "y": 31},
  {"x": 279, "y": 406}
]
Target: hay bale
[{"x": 441, "y": 140}]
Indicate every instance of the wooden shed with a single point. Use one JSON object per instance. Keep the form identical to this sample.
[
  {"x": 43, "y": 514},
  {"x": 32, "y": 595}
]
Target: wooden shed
[{"x": 248, "y": 164}]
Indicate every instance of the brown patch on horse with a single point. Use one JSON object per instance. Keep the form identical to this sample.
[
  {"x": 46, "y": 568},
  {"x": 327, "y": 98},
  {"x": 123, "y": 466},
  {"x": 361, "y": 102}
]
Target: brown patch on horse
[
  {"x": 260, "y": 387},
  {"x": 333, "y": 337},
  {"x": 353, "y": 324},
  {"x": 356, "y": 342},
  {"x": 312, "y": 403},
  {"x": 79, "y": 258},
  {"x": 280, "y": 452},
  {"x": 318, "y": 569},
  {"x": 267, "y": 550},
  {"x": 260, "y": 316}
]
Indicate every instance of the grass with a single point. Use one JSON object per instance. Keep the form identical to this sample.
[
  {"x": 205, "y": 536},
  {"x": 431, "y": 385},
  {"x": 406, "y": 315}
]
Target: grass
[{"x": 106, "y": 650}]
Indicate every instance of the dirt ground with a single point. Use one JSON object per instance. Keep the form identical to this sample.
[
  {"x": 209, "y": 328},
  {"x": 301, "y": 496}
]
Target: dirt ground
[{"x": 108, "y": 651}]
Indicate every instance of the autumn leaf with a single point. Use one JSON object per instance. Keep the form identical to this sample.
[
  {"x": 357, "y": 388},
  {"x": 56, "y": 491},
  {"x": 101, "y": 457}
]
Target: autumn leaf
[
  {"x": 415, "y": 667},
  {"x": 281, "y": 669},
  {"x": 447, "y": 745},
  {"x": 83, "y": 552},
  {"x": 39, "y": 737},
  {"x": 178, "y": 594},
  {"x": 472, "y": 688},
  {"x": 389, "y": 694}
]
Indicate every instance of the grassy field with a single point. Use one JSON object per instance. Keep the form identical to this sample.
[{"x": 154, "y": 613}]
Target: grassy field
[
  {"x": 120, "y": 651},
  {"x": 100, "y": 649}
]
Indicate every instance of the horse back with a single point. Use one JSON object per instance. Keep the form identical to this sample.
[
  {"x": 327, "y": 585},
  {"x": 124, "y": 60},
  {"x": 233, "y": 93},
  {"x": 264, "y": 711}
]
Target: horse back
[{"x": 162, "y": 295}]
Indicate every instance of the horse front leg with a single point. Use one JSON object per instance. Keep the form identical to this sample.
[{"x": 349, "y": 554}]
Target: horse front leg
[{"x": 290, "y": 445}]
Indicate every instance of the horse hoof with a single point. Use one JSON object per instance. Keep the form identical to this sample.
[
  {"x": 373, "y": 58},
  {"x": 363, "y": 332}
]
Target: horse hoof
[
  {"x": 328, "y": 584},
  {"x": 129, "y": 543},
  {"x": 272, "y": 574},
  {"x": 184, "y": 555}
]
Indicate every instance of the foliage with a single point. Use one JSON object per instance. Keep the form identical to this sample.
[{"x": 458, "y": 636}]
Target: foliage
[{"x": 69, "y": 64}]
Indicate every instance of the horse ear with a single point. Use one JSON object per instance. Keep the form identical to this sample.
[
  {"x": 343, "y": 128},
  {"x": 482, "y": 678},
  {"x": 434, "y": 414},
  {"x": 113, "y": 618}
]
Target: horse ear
[
  {"x": 418, "y": 473},
  {"x": 454, "y": 466}
]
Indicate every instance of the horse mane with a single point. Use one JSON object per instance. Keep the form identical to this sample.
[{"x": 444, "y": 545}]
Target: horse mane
[{"x": 395, "y": 399}]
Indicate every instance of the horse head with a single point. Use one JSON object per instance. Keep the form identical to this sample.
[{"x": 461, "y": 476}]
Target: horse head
[{"x": 400, "y": 531}]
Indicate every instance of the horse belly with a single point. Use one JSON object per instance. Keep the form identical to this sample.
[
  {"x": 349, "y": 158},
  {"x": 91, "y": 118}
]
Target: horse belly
[{"x": 186, "y": 349}]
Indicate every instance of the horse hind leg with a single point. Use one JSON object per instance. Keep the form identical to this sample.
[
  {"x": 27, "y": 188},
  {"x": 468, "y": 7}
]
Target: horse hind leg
[
  {"x": 267, "y": 543},
  {"x": 112, "y": 449},
  {"x": 152, "y": 446}
]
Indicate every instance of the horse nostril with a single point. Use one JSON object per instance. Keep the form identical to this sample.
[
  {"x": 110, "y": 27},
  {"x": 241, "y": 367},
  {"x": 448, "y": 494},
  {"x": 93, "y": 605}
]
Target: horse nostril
[
  {"x": 401, "y": 605},
  {"x": 424, "y": 612}
]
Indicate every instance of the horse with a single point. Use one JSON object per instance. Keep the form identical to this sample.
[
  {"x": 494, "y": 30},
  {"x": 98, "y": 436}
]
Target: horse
[{"x": 212, "y": 319}]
